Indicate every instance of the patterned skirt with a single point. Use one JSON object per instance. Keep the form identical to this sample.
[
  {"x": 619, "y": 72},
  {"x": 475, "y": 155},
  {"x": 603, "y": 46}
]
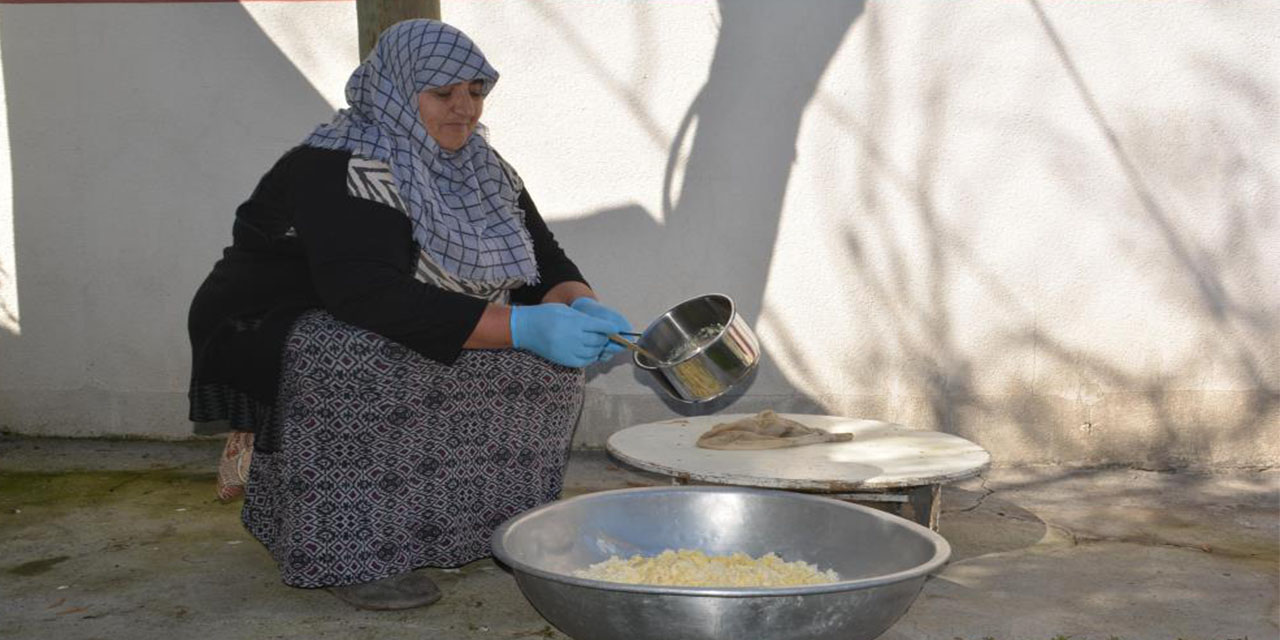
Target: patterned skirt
[{"x": 382, "y": 461}]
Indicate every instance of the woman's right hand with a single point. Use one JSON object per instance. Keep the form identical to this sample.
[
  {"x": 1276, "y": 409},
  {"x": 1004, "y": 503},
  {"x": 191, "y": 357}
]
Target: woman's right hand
[
  {"x": 559, "y": 333},
  {"x": 593, "y": 308}
]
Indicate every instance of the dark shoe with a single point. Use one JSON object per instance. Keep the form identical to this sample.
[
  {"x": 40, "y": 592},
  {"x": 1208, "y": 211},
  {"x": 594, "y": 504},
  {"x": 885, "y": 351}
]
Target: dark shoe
[{"x": 403, "y": 591}]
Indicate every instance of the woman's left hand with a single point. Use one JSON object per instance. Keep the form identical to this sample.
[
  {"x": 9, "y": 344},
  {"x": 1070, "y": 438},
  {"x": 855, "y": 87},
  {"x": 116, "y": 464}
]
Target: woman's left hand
[{"x": 595, "y": 309}]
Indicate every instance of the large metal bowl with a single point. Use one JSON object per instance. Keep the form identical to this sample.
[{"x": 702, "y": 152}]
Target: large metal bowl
[{"x": 883, "y": 561}]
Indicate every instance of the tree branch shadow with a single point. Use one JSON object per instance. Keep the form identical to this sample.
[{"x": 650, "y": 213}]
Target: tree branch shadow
[
  {"x": 1244, "y": 323},
  {"x": 720, "y": 221}
]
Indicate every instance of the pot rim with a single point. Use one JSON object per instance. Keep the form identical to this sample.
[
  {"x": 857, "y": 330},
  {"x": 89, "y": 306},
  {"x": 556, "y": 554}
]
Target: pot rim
[{"x": 733, "y": 314}]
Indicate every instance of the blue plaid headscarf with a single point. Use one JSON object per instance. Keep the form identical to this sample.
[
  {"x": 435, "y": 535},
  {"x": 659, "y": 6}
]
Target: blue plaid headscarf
[{"x": 463, "y": 203}]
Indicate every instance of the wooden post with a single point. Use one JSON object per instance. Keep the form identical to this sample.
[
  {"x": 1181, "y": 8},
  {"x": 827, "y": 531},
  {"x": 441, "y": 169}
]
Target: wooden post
[
  {"x": 923, "y": 505},
  {"x": 373, "y": 16}
]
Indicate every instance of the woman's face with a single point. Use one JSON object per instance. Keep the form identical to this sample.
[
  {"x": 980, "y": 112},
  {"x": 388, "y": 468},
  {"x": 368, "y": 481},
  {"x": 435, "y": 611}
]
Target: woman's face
[{"x": 450, "y": 113}]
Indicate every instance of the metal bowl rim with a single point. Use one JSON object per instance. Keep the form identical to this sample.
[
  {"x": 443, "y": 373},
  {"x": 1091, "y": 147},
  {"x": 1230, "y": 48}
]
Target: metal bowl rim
[
  {"x": 941, "y": 553},
  {"x": 733, "y": 313}
]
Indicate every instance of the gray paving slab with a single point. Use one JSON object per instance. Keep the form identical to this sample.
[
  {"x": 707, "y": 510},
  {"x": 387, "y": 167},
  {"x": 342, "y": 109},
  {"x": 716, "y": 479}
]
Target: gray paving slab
[{"x": 123, "y": 539}]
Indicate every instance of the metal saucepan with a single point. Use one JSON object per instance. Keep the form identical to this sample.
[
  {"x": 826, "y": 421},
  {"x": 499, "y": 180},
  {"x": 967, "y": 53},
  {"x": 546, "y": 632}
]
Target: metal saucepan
[{"x": 705, "y": 346}]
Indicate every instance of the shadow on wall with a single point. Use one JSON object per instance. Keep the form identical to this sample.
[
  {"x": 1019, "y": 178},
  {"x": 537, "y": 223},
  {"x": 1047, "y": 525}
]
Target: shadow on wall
[
  {"x": 918, "y": 326},
  {"x": 135, "y": 130},
  {"x": 108, "y": 267},
  {"x": 739, "y": 136},
  {"x": 1218, "y": 281},
  {"x": 721, "y": 221},
  {"x": 1219, "y": 278}
]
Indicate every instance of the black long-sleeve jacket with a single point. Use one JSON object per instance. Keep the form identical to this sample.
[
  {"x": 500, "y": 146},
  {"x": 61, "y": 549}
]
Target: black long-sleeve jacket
[{"x": 302, "y": 242}]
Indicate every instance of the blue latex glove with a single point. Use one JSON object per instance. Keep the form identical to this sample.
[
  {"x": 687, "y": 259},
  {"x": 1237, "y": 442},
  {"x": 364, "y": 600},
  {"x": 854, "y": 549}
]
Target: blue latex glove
[
  {"x": 594, "y": 309},
  {"x": 558, "y": 333}
]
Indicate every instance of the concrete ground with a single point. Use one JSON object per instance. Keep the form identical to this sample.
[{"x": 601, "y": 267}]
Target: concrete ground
[{"x": 123, "y": 539}]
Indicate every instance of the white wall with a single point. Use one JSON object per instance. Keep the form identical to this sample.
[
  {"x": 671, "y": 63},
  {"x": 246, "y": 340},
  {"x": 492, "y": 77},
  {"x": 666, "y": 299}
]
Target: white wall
[
  {"x": 1047, "y": 226},
  {"x": 134, "y": 130}
]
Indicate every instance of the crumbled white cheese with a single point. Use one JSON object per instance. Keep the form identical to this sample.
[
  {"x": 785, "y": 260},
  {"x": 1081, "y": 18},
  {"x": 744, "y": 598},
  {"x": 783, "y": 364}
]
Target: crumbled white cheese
[{"x": 686, "y": 568}]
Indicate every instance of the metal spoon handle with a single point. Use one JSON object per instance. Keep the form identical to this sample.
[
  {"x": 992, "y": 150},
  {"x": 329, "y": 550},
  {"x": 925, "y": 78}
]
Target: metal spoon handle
[{"x": 634, "y": 347}]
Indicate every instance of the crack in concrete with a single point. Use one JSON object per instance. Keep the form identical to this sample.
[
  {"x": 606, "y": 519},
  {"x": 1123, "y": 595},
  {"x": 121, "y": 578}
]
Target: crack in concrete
[
  {"x": 1077, "y": 538},
  {"x": 1071, "y": 535},
  {"x": 1086, "y": 538},
  {"x": 1080, "y": 538},
  {"x": 982, "y": 498}
]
